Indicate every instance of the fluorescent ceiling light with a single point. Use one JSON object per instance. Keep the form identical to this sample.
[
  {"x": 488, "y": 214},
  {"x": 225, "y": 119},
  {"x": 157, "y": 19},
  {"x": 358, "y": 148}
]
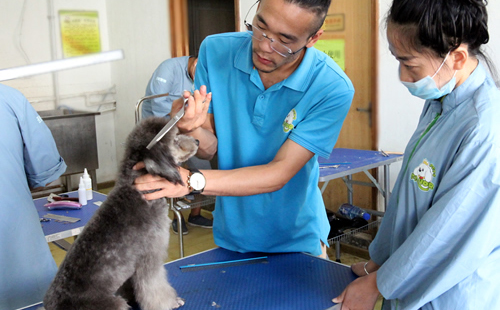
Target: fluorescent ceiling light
[{"x": 58, "y": 65}]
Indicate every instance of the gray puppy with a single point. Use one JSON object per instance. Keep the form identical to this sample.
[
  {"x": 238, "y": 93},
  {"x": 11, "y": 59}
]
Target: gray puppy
[{"x": 124, "y": 245}]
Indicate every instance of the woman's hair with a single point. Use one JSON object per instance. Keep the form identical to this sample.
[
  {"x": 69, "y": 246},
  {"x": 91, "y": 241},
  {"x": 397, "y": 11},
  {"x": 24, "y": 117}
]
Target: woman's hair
[{"x": 443, "y": 25}]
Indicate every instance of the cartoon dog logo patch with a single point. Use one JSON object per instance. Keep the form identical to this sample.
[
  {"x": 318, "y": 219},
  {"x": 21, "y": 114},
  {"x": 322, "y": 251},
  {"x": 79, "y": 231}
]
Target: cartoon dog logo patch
[
  {"x": 423, "y": 176},
  {"x": 288, "y": 122}
]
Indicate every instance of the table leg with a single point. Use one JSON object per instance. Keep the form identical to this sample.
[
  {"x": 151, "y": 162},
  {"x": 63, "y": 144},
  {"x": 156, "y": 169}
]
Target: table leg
[
  {"x": 323, "y": 188},
  {"x": 179, "y": 226},
  {"x": 93, "y": 177},
  {"x": 387, "y": 185},
  {"x": 69, "y": 187},
  {"x": 337, "y": 251},
  {"x": 349, "y": 189}
]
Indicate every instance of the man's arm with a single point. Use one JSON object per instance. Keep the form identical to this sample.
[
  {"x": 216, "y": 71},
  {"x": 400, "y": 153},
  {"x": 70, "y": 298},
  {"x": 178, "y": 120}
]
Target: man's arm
[{"x": 267, "y": 178}]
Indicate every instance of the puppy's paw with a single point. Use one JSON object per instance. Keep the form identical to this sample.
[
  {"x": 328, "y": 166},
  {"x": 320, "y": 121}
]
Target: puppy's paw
[{"x": 180, "y": 302}]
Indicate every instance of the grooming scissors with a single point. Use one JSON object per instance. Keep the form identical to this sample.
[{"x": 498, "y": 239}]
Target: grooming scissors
[{"x": 171, "y": 123}]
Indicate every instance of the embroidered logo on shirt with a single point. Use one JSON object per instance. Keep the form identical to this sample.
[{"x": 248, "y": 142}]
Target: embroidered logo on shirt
[
  {"x": 423, "y": 176},
  {"x": 288, "y": 122},
  {"x": 39, "y": 119},
  {"x": 162, "y": 80}
]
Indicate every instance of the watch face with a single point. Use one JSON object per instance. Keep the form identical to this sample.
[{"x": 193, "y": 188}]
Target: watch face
[{"x": 197, "y": 181}]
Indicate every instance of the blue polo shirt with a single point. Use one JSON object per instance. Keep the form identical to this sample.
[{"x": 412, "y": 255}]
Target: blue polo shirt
[{"x": 252, "y": 123}]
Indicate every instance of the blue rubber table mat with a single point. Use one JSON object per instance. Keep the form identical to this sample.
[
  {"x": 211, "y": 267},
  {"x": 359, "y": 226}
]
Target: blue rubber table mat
[
  {"x": 53, "y": 228},
  {"x": 285, "y": 281},
  {"x": 357, "y": 161}
]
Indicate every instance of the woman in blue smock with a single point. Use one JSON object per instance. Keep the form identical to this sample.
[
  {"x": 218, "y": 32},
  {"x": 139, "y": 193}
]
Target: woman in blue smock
[
  {"x": 438, "y": 246},
  {"x": 28, "y": 158}
]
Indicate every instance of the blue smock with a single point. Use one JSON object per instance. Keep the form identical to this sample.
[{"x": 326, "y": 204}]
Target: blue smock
[
  {"x": 29, "y": 158},
  {"x": 438, "y": 244},
  {"x": 171, "y": 77},
  {"x": 252, "y": 123}
]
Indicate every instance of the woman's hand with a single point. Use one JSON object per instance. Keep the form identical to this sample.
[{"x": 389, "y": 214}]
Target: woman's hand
[
  {"x": 163, "y": 187},
  {"x": 361, "y": 294},
  {"x": 359, "y": 268},
  {"x": 195, "y": 113}
]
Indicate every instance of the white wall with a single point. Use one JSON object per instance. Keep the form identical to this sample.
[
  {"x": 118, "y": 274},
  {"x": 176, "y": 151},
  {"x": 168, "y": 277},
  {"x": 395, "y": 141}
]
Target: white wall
[
  {"x": 398, "y": 109},
  {"x": 26, "y": 38},
  {"x": 140, "y": 29}
]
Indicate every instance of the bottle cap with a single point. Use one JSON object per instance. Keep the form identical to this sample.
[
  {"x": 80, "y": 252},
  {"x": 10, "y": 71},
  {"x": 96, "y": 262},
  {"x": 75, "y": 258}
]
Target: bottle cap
[
  {"x": 366, "y": 216},
  {"x": 82, "y": 184}
]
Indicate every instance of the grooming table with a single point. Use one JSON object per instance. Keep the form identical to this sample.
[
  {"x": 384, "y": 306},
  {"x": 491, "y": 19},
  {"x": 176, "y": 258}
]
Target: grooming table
[
  {"x": 285, "y": 281},
  {"x": 356, "y": 161},
  {"x": 359, "y": 161},
  {"x": 55, "y": 231}
]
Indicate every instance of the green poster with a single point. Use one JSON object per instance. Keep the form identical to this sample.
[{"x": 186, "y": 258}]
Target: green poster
[
  {"x": 79, "y": 32},
  {"x": 333, "y": 48}
]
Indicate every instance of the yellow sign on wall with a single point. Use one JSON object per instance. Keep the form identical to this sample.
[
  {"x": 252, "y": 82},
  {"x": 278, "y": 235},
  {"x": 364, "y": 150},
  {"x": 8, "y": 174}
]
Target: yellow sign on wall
[
  {"x": 335, "y": 49},
  {"x": 79, "y": 32}
]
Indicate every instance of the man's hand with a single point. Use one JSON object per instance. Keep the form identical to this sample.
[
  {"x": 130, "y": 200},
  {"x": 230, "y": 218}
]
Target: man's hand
[
  {"x": 164, "y": 188},
  {"x": 195, "y": 113}
]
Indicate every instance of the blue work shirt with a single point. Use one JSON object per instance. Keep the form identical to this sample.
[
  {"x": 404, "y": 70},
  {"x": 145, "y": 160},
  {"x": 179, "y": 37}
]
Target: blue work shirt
[
  {"x": 438, "y": 244},
  {"x": 29, "y": 158},
  {"x": 252, "y": 123},
  {"x": 171, "y": 77}
]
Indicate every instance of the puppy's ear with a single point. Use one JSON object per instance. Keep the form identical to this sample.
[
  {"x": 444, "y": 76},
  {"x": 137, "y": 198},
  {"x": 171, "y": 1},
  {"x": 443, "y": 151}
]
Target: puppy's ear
[{"x": 169, "y": 172}]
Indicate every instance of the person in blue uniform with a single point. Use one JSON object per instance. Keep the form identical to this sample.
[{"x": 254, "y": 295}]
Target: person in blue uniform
[
  {"x": 174, "y": 76},
  {"x": 274, "y": 103},
  {"x": 438, "y": 246},
  {"x": 29, "y": 159}
]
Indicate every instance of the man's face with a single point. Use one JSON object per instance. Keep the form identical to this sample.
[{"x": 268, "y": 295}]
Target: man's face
[{"x": 287, "y": 24}]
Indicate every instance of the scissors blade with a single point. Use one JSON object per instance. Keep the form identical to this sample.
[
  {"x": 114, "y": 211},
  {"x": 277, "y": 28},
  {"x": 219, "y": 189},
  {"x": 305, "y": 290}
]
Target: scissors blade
[{"x": 167, "y": 127}]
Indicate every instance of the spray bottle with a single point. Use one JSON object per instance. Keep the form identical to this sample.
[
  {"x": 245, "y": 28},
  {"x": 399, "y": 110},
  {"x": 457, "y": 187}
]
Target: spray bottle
[
  {"x": 88, "y": 184},
  {"x": 82, "y": 193}
]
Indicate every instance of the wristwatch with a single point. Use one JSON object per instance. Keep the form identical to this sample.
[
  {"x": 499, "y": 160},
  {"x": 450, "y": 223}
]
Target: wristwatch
[{"x": 196, "y": 181}]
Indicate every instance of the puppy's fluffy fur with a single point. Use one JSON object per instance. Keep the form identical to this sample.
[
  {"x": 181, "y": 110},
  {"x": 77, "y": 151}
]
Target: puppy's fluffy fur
[{"x": 124, "y": 245}]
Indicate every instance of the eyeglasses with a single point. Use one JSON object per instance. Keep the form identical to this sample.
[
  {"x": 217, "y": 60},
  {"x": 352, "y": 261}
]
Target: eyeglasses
[{"x": 258, "y": 34}]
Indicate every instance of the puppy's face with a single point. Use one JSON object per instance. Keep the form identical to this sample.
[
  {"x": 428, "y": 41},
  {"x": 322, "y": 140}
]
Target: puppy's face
[
  {"x": 165, "y": 156},
  {"x": 182, "y": 147},
  {"x": 172, "y": 150}
]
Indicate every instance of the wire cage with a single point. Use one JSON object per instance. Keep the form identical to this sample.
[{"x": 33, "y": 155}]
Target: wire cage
[{"x": 349, "y": 236}]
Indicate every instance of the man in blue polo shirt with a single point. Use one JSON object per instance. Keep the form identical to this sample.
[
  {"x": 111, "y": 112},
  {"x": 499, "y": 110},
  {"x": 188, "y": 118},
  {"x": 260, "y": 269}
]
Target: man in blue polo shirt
[
  {"x": 172, "y": 76},
  {"x": 275, "y": 105}
]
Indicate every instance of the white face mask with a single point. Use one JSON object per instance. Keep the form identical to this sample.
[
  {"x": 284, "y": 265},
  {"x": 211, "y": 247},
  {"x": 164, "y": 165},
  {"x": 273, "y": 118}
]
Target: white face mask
[{"x": 426, "y": 88}]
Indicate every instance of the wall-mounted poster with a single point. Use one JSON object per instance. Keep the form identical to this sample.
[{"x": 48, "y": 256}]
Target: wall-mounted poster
[
  {"x": 334, "y": 48},
  {"x": 79, "y": 33}
]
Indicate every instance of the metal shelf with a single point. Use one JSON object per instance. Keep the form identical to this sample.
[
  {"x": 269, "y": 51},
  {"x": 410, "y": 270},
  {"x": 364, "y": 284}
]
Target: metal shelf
[
  {"x": 347, "y": 236},
  {"x": 199, "y": 201}
]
